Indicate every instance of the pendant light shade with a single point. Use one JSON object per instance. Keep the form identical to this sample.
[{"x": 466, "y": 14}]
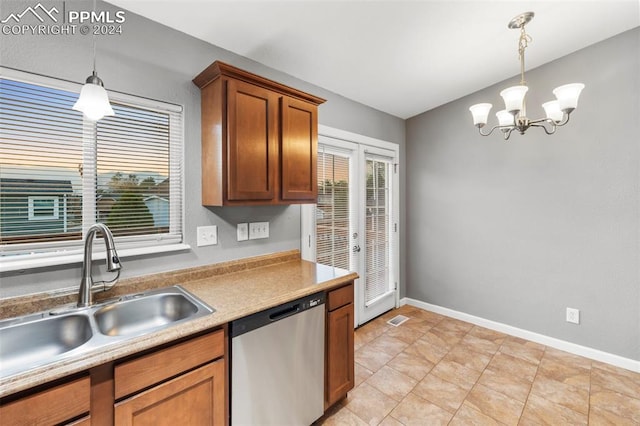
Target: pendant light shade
[
  {"x": 480, "y": 113},
  {"x": 505, "y": 118},
  {"x": 514, "y": 98},
  {"x": 552, "y": 109},
  {"x": 93, "y": 101},
  {"x": 567, "y": 96}
]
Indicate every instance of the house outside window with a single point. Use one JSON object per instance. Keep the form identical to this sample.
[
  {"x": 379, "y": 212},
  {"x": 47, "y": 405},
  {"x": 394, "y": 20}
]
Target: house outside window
[{"x": 43, "y": 208}]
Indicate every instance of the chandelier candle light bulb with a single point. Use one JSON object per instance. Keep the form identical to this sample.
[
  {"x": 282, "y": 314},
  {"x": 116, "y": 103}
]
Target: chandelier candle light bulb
[{"x": 513, "y": 117}]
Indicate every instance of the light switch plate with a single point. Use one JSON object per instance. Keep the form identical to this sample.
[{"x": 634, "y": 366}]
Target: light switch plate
[
  {"x": 207, "y": 235},
  {"x": 242, "y": 231},
  {"x": 258, "y": 230}
]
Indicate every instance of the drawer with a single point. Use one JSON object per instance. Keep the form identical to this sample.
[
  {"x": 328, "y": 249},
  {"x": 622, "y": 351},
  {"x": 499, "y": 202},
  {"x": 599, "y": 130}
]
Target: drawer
[
  {"x": 51, "y": 406},
  {"x": 340, "y": 297},
  {"x": 140, "y": 373}
]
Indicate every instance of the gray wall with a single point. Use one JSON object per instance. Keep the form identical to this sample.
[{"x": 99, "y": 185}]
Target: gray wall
[
  {"x": 154, "y": 61},
  {"x": 517, "y": 231}
]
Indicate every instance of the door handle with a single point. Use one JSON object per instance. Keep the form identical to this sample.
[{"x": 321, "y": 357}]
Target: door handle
[{"x": 356, "y": 249}]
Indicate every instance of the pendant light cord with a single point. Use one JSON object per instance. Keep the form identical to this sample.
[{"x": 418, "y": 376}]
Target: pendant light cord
[{"x": 94, "y": 41}]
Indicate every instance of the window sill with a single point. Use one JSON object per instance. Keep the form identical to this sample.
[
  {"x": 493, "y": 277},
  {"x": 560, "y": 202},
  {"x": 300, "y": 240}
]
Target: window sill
[{"x": 36, "y": 260}]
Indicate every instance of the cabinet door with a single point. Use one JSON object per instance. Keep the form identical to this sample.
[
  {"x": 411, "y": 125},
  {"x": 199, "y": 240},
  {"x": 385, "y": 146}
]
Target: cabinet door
[
  {"x": 340, "y": 362},
  {"x": 194, "y": 398},
  {"x": 252, "y": 142},
  {"x": 299, "y": 147}
]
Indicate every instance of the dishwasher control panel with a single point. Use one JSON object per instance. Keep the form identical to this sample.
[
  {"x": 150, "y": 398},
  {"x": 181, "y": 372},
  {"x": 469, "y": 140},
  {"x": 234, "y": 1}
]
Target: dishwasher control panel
[{"x": 277, "y": 313}]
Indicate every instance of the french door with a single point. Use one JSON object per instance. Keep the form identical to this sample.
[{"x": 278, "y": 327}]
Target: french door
[{"x": 353, "y": 226}]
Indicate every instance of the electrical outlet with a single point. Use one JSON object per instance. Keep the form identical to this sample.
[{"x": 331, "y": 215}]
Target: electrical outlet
[
  {"x": 258, "y": 230},
  {"x": 207, "y": 235},
  {"x": 573, "y": 315},
  {"x": 242, "y": 231}
]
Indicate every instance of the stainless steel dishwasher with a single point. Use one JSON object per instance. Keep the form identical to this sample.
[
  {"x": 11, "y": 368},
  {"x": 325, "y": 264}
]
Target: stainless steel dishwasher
[{"x": 277, "y": 365}]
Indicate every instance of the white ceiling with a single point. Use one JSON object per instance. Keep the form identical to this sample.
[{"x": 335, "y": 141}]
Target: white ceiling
[{"x": 400, "y": 57}]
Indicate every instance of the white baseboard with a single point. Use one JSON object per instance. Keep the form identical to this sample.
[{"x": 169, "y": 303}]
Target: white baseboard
[{"x": 562, "y": 345}]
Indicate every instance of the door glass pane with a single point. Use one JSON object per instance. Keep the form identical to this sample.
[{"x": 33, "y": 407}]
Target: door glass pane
[
  {"x": 377, "y": 213},
  {"x": 332, "y": 211}
]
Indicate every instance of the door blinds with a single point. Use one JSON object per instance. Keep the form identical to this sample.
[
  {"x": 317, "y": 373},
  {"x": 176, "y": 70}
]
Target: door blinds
[
  {"x": 333, "y": 210},
  {"x": 377, "y": 235}
]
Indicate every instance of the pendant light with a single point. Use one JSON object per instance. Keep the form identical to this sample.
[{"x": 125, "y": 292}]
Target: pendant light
[{"x": 94, "y": 101}]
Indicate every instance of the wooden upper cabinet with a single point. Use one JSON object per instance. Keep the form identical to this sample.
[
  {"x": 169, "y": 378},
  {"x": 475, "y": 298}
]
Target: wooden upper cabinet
[
  {"x": 299, "y": 147},
  {"x": 259, "y": 139}
]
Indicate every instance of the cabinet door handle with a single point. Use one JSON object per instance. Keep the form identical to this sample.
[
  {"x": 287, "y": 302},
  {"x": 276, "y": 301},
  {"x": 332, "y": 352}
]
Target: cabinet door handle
[{"x": 356, "y": 249}]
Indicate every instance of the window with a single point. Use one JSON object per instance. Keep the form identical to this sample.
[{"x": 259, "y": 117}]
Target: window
[
  {"x": 59, "y": 173},
  {"x": 43, "y": 208}
]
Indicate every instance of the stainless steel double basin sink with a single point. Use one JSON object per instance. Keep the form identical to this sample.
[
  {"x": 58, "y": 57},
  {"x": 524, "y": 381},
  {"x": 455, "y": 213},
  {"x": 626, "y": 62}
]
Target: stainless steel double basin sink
[{"x": 36, "y": 340}]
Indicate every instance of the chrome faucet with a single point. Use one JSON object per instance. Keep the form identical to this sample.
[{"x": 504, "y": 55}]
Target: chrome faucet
[{"x": 113, "y": 264}]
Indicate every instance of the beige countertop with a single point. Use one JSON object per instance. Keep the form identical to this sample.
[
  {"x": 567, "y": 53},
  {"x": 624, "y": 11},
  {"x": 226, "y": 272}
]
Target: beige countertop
[{"x": 234, "y": 289}]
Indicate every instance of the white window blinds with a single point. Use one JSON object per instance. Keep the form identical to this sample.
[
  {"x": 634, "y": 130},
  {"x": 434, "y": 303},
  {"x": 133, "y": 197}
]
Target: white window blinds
[
  {"x": 59, "y": 174},
  {"x": 377, "y": 214},
  {"x": 333, "y": 212}
]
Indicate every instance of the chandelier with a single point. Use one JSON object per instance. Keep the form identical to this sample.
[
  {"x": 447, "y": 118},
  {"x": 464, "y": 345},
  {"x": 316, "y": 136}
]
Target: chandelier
[{"x": 514, "y": 116}]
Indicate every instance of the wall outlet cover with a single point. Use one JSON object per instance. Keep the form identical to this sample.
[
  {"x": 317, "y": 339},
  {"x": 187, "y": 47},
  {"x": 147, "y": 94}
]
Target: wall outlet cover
[{"x": 573, "y": 315}]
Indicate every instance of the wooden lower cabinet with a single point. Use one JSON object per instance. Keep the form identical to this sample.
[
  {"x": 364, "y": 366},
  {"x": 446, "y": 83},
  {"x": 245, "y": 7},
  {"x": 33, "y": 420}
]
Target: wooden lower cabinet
[
  {"x": 182, "y": 384},
  {"x": 194, "y": 398},
  {"x": 178, "y": 384},
  {"x": 58, "y": 404},
  {"x": 339, "y": 368}
]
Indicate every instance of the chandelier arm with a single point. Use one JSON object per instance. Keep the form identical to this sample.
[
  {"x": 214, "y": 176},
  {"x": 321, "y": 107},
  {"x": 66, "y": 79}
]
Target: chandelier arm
[
  {"x": 542, "y": 123},
  {"x": 503, "y": 128},
  {"x": 507, "y": 133},
  {"x": 489, "y": 132}
]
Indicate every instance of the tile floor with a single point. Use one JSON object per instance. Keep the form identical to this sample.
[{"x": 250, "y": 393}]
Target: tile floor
[{"x": 435, "y": 370}]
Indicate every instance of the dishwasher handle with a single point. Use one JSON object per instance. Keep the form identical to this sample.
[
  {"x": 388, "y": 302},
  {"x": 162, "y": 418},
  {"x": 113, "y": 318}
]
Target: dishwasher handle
[{"x": 291, "y": 310}]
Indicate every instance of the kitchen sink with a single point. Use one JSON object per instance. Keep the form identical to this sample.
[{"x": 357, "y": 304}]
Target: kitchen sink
[
  {"x": 40, "y": 339},
  {"x": 140, "y": 314},
  {"x": 35, "y": 340}
]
